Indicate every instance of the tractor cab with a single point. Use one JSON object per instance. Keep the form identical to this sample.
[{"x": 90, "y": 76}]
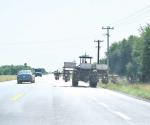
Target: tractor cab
[
  {"x": 85, "y": 59},
  {"x": 85, "y": 62}
]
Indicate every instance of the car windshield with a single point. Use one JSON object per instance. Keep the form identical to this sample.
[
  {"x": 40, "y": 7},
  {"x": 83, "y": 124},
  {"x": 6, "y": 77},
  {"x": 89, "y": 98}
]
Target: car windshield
[
  {"x": 38, "y": 70},
  {"x": 25, "y": 72}
]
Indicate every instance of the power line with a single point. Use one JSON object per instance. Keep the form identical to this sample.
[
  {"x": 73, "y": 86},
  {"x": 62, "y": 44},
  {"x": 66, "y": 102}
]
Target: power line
[{"x": 132, "y": 16}]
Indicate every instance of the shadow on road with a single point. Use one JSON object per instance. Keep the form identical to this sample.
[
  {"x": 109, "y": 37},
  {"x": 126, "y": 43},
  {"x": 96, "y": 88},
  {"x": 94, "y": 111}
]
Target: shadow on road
[
  {"x": 74, "y": 87},
  {"x": 24, "y": 83}
]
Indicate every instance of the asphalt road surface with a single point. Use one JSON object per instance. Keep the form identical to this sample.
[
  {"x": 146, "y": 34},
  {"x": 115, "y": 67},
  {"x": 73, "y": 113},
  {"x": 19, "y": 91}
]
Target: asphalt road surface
[{"x": 51, "y": 102}]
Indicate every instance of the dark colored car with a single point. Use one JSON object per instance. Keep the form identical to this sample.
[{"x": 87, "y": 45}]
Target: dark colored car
[
  {"x": 25, "y": 76},
  {"x": 38, "y": 72}
]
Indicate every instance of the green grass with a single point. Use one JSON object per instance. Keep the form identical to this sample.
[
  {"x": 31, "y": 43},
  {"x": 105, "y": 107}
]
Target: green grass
[
  {"x": 7, "y": 77},
  {"x": 139, "y": 90}
]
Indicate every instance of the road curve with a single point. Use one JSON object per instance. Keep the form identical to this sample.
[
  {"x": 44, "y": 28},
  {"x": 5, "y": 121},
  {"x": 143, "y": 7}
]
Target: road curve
[{"x": 51, "y": 102}]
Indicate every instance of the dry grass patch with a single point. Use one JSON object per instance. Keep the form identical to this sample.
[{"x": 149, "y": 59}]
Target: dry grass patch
[
  {"x": 139, "y": 90},
  {"x": 145, "y": 87},
  {"x": 7, "y": 77}
]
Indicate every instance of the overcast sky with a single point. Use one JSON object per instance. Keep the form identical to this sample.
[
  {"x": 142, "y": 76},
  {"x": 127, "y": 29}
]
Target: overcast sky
[{"x": 45, "y": 33}]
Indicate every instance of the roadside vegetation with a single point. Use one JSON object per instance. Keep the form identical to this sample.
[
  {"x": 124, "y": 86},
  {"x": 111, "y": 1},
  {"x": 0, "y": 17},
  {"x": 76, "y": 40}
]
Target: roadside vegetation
[
  {"x": 130, "y": 59},
  {"x": 138, "y": 90},
  {"x": 12, "y": 69},
  {"x": 7, "y": 77},
  {"x": 9, "y": 72}
]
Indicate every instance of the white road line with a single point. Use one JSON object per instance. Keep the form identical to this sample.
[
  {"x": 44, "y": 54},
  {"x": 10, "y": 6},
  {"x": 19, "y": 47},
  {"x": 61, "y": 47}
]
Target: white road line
[
  {"x": 125, "y": 117},
  {"x": 121, "y": 115},
  {"x": 103, "y": 104}
]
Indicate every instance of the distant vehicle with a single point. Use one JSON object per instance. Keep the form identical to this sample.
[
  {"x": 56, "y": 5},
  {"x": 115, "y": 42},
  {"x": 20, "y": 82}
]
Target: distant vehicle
[
  {"x": 57, "y": 74},
  {"x": 38, "y": 72},
  {"x": 67, "y": 70},
  {"x": 25, "y": 76},
  {"x": 66, "y": 75}
]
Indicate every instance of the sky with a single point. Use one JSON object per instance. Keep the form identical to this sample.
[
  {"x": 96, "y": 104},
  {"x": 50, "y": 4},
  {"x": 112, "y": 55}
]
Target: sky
[{"x": 47, "y": 33}]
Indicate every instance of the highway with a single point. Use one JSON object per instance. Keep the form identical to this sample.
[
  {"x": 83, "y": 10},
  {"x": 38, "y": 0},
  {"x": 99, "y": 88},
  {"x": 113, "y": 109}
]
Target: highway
[{"x": 51, "y": 102}]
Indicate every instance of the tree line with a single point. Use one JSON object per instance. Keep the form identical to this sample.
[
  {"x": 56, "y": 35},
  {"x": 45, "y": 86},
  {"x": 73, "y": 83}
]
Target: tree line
[
  {"x": 13, "y": 70},
  {"x": 131, "y": 57}
]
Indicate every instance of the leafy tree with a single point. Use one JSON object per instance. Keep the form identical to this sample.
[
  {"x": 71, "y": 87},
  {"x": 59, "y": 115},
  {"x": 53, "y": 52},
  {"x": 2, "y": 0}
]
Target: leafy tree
[
  {"x": 114, "y": 58},
  {"x": 120, "y": 56},
  {"x": 103, "y": 61},
  {"x": 146, "y": 54},
  {"x": 125, "y": 57},
  {"x": 131, "y": 72}
]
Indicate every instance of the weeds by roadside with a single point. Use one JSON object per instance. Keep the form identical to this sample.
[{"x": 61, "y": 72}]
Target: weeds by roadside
[{"x": 139, "y": 90}]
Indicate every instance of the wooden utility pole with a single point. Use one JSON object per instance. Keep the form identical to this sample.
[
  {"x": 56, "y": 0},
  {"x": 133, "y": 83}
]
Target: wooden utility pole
[
  {"x": 108, "y": 35},
  {"x": 98, "y": 50}
]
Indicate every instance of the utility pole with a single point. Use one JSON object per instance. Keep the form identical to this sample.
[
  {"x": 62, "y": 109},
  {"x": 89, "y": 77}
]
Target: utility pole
[
  {"x": 108, "y": 35},
  {"x": 98, "y": 50}
]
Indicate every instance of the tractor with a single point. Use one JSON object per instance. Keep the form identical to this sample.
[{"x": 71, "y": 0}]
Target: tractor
[{"x": 85, "y": 72}]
